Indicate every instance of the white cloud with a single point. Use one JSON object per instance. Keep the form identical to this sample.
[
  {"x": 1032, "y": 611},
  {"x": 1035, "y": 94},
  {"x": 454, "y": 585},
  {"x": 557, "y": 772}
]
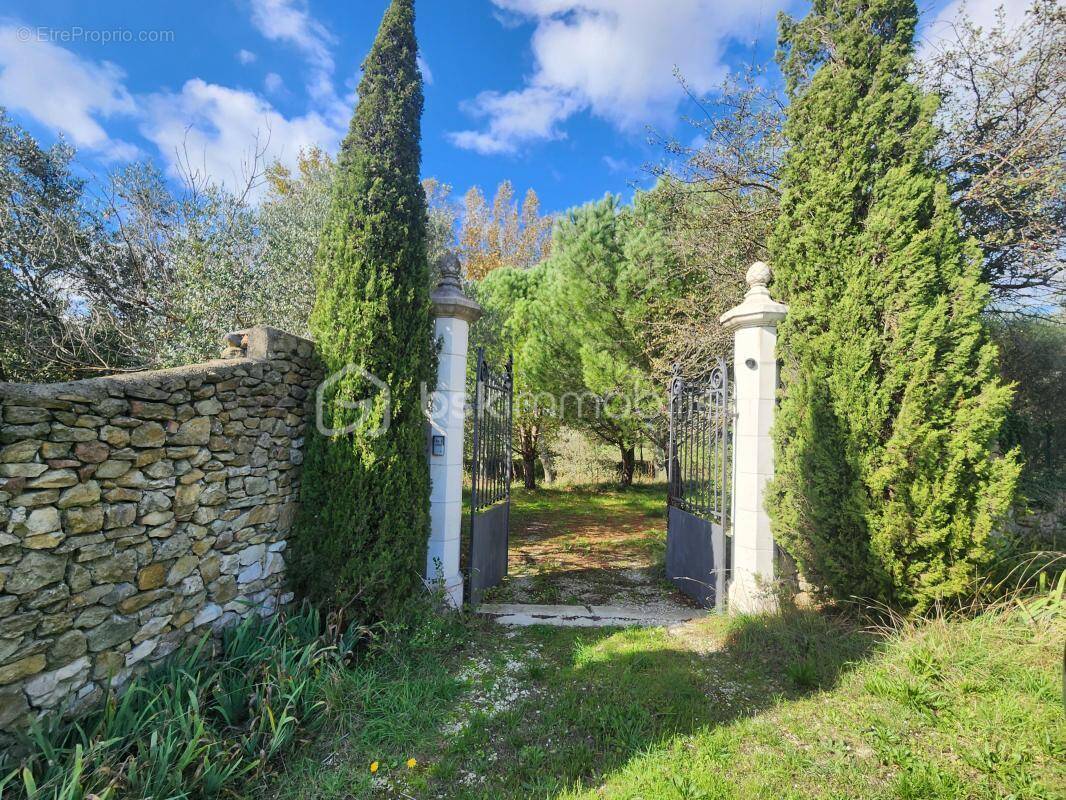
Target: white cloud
[
  {"x": 290, "y": 21},
  {"x": 615, "y": 58},
  {"x": 219, "y": 131},
  {"x": 617, "y": 165},
  {"x": 981, "y": 12},
  {"x": 508, "y": 20},
  {"x": 427, "y": 73},
  {"x": 245, "y": 56},
  {"x": 515, "y": 118},
  {"x": 214, "y": 130},
  {"x": 273, "y": 82},
  {"x": 62, "y": 91}
]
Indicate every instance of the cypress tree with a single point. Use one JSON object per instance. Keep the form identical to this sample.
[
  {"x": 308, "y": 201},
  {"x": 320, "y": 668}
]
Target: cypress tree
[
  {"x": 887, "y": 483},
  {"x": 361, "y": 533}
]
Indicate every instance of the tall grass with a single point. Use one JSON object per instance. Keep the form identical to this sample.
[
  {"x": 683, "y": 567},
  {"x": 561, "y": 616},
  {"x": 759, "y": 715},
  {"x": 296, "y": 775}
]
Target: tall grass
[{"x": 190, "y": 729}]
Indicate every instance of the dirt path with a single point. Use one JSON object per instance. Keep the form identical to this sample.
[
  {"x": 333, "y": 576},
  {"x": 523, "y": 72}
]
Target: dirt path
[{"x": 600, "y": 546}]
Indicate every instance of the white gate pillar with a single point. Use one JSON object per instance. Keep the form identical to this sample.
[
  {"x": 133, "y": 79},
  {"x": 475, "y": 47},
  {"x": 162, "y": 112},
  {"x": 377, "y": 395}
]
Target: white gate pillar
[
  {"x": 454, "y": 312},
  {"x": 754, "y": 325}
]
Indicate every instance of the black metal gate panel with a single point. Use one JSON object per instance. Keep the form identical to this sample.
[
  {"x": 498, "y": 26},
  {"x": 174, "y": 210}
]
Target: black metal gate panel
[
  {"x": 490, "y": 477},
  {"x": 700, "y": 468}
]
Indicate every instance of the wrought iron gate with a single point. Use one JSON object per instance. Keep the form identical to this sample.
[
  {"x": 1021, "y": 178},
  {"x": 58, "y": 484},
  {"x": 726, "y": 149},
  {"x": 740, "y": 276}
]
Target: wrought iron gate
[
  {"x": 699, "y": 480},
  {"x": 490, "y": 474}
]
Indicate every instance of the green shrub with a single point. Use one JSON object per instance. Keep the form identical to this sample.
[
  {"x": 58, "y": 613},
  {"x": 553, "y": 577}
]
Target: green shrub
[
  {"x": 190, "y": 729},
  {"x": 887, "y": 485},
  {"x": 360, "y": 539},
  {"x": 203, "y": 726},
  {"x": 1034, "y": 359}
]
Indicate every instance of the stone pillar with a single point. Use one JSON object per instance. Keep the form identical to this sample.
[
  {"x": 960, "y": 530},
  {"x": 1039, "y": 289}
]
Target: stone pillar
[
  {"x": 454, "y": 312},
  {"x": 754, "y": 325}
]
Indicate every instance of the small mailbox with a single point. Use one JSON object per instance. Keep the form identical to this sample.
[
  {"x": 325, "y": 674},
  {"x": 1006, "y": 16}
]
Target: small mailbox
[{"x": 438, "y": 445}]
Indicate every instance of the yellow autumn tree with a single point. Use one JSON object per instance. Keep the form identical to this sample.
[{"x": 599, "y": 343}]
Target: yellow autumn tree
[
  {"x": 312, "y": 164},
  {"x": 502, "y": 234}
]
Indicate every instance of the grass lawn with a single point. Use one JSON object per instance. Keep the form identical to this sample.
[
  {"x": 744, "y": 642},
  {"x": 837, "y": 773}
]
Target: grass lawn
[
  {"x": 804, "y": 705},
  {"x": 594, "y": 545}
]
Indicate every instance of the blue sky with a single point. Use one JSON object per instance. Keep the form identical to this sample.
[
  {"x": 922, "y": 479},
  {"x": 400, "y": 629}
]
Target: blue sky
[{"x": 557, "y": 95}]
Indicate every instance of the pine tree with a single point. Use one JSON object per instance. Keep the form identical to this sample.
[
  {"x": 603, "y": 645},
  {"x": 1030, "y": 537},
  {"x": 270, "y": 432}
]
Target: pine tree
[
  {"x": 590, "y": 310},
  {"x": 361, "y": 534},
  {"x": 887, "y": 482}
]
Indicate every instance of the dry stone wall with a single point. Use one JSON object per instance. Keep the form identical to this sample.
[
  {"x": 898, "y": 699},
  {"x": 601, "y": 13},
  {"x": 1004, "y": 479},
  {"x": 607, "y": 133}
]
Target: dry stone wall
[{"x": 139, "y": 511}]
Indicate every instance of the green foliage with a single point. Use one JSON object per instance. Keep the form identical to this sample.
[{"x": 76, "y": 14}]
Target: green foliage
[
  {"x": 48, "y": 245},
  {"x": 795, "y": 705},
  {"x": 360, "y": 540},
  {"x": 1034, "y": 359},
  {"x": 1049, "y": 598},
  {"x": 213, "y": 277},
  {"x": 887, "y": 486},
  {"x": 693, "y": 241},
  {"x": 440, "y": 229},
  {"x": 386, "y": 705},
  {"x": 138, "y": 276},
  {"x": 590, "y": 311},
  {"x": 289, "y": 221},
  {"x": 193, "y": 728},
  {"x": 507, "y": 296},
  {"x": 143, "y": 276},
  {"x": 627, "y": 293},
  {"x": 203, "y": 727},
  {"x": 510, "y": 329}
]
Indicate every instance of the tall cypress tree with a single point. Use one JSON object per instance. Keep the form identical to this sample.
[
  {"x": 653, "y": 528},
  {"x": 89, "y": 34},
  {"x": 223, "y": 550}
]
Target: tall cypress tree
[
  {"x": 361, "y": 533},
  {"x": 887, "y": 483}
]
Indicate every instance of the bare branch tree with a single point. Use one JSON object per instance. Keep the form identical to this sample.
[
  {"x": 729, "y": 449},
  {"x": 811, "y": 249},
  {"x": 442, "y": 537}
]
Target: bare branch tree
[
  {"x": 1003, "y": 116},
  {"x": 709, "y": 216}
]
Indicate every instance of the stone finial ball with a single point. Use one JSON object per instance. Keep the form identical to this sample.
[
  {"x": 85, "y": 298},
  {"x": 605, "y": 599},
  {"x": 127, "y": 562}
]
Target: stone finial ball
[
  {"x": 758, "y": 274},
  {"x": 449, "y": 265}
]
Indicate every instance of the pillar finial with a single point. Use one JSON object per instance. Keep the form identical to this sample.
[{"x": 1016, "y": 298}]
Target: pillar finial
[
  {"x": 758, "y": 308},
  {"x": 450, "y": 270},
  {"x": 448, "y": 298},
  {"x": 758, "y": 275}
]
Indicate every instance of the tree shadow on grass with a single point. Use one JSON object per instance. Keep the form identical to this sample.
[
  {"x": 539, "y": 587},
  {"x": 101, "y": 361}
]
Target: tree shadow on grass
[{"x": 596, "y": 699}]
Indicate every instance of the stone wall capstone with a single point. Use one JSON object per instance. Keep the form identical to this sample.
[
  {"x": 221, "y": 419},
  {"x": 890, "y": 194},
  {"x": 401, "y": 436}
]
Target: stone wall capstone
[{"x": 139, "y": 511}]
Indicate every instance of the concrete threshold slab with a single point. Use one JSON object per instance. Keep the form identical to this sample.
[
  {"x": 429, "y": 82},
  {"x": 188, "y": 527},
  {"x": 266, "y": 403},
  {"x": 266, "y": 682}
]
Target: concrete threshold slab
[{"x": 586, "y": 616}]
